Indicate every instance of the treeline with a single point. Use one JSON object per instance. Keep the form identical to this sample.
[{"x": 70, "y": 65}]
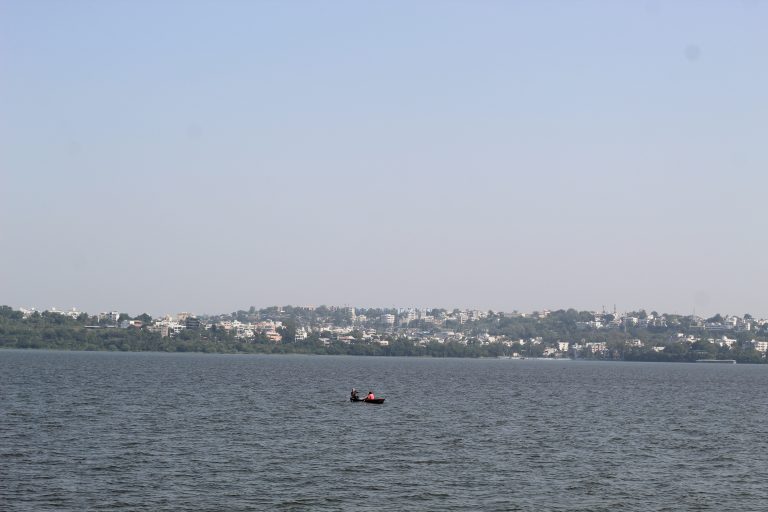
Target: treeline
[
  {"x": 55, "y": 331},
  {"x": 50, "y": 330},
  {"x": 563, "y": 325}
]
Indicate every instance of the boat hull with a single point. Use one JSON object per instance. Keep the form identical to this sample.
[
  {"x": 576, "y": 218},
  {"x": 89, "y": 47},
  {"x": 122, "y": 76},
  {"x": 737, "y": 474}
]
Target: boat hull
[{"x": 376, "y": 401}]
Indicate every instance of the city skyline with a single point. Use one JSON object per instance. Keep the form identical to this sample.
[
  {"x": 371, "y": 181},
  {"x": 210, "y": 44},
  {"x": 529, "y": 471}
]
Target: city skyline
[
  {"x": 630, "y": 336},
  {"x": 603, "y": 310}
]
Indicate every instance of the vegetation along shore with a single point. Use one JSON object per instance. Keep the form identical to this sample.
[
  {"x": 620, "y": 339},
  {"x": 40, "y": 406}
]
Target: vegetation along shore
[{"x": 630, "y": 336}]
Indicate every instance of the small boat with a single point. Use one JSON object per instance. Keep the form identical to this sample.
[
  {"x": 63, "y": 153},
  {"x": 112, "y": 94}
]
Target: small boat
[{"x": 377, "y": 401}]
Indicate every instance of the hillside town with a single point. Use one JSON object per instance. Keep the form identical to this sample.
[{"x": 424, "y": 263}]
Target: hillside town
[{"x": 547, "y": 334}]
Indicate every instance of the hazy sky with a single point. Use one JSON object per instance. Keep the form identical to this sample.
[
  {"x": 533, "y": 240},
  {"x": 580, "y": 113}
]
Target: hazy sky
[{"x": 208, "y": 156}]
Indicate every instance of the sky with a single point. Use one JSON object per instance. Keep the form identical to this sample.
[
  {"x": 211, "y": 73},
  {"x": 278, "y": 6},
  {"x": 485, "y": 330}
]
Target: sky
[{"x": 211, "y": 156}]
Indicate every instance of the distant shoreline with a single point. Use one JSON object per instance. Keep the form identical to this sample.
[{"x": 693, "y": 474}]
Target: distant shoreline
[
  {"x": 437, "y": 333},
  {"x": 419, "y": 356}
]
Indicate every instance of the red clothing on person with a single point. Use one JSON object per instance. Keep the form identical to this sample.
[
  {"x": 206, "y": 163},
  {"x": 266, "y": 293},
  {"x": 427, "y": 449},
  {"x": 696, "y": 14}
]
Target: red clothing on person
[{"x": 370, "y": 396}]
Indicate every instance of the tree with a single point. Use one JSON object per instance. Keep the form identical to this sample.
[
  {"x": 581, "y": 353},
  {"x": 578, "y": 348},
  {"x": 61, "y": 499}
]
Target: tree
[
  {"x": 288, "y": 330},
  {"x": 144, "y": 318}
]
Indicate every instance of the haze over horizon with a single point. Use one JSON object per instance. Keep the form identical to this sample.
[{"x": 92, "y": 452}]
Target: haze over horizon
[{"x": 207, "y": 157}]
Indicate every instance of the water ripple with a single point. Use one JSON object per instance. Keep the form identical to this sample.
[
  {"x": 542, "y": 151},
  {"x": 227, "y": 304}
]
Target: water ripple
[{"x": 146, "y": 432}]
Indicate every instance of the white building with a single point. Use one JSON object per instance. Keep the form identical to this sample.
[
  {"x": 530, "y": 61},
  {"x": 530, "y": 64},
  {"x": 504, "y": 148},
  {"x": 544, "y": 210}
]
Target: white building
[{"x": 595, "y": 347}]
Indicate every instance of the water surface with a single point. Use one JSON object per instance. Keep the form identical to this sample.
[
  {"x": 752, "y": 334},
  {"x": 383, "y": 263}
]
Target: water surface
[{"x": 193, "y": 432}]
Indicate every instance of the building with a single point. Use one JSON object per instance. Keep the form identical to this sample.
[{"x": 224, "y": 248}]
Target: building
[
  {"x": 596, "y": 347},
  {"x": 112, "y": 316}
]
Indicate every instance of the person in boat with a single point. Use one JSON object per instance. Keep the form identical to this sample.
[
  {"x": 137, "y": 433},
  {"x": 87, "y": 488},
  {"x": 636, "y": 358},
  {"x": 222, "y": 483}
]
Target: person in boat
[
  {"x": 370, "y": 396},
  {"x": 353, "y": 395}
]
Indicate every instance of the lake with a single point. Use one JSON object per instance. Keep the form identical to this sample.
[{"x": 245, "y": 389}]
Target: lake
[{"x": 195, "y": 432}]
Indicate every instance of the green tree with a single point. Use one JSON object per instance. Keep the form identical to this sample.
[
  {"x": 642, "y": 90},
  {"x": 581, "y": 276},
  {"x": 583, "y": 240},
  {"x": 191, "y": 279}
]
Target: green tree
[{"x": 144, "y": 318}]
